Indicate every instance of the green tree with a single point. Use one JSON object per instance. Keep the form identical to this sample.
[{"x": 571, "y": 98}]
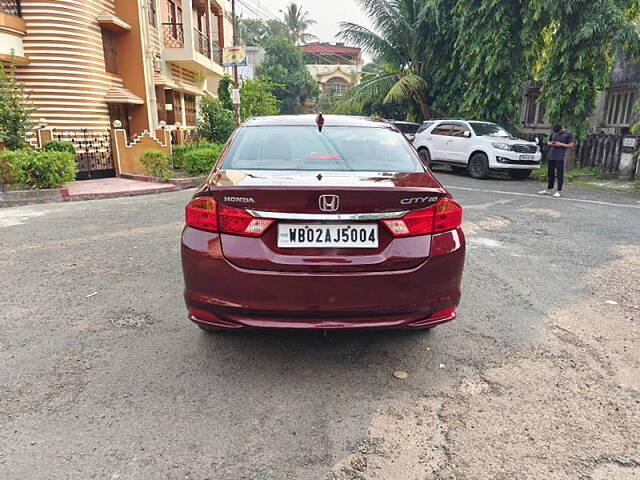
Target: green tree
[
  {"x": 284, "y": 66},
  {"x": 252, "y": 31},
  {"x": 15, "y": 109},
  {"x": 224, "y": 92},
  {"x": 406, "y": 41},
  {"x": 215, "y": 123},
  {"x": 586, "y": 38},
  {"x": 490, "y": 54},
  {"x": 297, "y": 22},
  {"x": 256, "y": 98}
]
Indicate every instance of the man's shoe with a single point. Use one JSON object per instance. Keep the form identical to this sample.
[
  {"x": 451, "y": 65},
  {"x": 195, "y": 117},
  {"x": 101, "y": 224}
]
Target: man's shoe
[
  {"x": 545, "y": 192},
  {"x": 557, "y": 194}
]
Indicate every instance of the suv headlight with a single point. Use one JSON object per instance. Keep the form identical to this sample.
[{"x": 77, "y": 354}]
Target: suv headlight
[{"x": 502, "y": 146}]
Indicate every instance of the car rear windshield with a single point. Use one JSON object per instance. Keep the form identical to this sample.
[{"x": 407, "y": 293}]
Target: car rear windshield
[
  {"x": 407, "y": 127},
  {"x": 424, "y": 126},
  {"x": 366, "y": 149},
  {"x": 488, "y": 129}
]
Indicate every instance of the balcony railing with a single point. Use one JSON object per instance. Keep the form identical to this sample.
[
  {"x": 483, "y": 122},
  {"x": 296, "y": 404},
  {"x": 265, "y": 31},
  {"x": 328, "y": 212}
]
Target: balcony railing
[
  {"x": 216, "y": 53},
  {"x": 173, "y": 35},
  {"x": 11, "y": 7},
  {"x": 202, "y": 43}
]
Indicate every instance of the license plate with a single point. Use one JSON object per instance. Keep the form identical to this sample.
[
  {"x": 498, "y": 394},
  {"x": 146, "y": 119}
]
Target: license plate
[
  {"x": 329, "y": 236},
  {"x": 528, "y": 158}
]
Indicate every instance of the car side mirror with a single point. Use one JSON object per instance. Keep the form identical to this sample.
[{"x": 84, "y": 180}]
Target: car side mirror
[{"x": 466, "y": 134}]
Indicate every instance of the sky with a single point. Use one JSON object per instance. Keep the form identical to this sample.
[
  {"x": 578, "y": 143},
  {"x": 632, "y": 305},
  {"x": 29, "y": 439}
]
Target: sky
[{"x": 328, "y": 13}]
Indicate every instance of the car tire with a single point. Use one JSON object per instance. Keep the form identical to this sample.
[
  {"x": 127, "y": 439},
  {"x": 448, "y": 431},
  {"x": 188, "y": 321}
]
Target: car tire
[
  {"x": 519, "y": 174},
  {"x": 208, "y": 329},
  {"x": 479, "y": 166},
  {"x": 457, "y": 169},
  {"x": 425, "y": 155}
]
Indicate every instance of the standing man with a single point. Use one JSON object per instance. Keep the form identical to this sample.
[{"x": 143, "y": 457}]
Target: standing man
[{"x": 561, "y": 140}]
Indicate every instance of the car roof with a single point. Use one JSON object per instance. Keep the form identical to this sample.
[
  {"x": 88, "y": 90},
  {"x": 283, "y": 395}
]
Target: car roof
[
  {"x": 402, "y": 122},
  {"x": 310, "y": 120}
]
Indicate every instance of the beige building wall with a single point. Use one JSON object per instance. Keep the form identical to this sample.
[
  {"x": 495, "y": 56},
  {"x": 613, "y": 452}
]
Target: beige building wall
[{"x": 66, "y": 70}]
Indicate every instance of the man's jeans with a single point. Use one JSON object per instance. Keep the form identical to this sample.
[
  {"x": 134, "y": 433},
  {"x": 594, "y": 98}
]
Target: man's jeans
[{"x": 553, "y": 167}]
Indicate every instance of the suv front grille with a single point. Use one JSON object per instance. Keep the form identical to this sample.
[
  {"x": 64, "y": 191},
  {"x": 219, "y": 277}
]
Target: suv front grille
[{"x": 524, "y": 148}]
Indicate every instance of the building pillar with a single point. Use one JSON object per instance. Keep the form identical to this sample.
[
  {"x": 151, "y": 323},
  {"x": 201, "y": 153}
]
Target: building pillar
[
  {"x": 183, "y": 117},
  {"x": 187, "y": 24}
]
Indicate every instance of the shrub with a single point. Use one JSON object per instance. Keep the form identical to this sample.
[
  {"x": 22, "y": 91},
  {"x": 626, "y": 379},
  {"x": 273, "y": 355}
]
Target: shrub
[
  {"x": 156, "y": 163},
  {"x": 59, "y": 146},
  {"x": 200, "y": 161},
  {"x": 40, "y": 169},
  {"x": 179, "y": 151},
  {"x": 215, "y": 123}
]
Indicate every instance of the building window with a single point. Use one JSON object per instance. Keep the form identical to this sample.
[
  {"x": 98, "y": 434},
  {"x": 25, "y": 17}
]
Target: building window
[
  {"x": 110, "y": 53},
  {"x": 534, "y": 110},
  {"x": 151, "y": 11},
  {"x": 190, "y": 109},
  {"x": 619, "y": 108},
  {"x": 336, "y": 86}
]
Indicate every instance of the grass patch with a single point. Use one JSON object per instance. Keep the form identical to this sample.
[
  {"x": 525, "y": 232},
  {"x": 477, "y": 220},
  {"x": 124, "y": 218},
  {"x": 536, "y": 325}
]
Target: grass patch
[{"x": 590, "y": 177}]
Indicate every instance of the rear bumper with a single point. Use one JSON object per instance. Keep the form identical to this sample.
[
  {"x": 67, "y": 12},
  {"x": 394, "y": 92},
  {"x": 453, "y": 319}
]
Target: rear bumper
[{"x": 220, "y": 294}]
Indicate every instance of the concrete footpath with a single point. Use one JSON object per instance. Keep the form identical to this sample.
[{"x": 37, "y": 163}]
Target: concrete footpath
[{"x": 85, "y": 190}]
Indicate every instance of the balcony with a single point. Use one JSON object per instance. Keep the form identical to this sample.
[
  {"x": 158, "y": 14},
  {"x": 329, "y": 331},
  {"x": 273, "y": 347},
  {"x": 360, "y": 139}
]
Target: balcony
[
  {"x": 196, "y": 52},
  {"x": 12, "y": 29},
  {"x": 11, "y": 7}
]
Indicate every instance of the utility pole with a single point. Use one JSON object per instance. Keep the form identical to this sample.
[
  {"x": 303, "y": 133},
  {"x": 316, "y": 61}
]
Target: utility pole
[{"x": 236, "y": 83}]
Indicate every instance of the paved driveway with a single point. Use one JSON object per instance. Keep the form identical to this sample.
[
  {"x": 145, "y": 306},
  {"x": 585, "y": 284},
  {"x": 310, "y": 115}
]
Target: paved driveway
[{"x": 102, "y": 376}]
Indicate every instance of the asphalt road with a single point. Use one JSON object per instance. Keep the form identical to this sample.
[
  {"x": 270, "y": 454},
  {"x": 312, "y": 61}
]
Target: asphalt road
[{"x": 102, "y": 376}]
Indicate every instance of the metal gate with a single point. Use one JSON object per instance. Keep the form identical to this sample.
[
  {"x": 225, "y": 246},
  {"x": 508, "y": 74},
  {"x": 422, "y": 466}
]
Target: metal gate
[{"x": 93, "y": 152}]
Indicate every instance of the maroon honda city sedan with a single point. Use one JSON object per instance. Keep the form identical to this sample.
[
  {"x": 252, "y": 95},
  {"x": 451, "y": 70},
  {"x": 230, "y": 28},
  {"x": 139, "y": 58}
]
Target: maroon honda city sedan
[{"x": 321, "y": 223}]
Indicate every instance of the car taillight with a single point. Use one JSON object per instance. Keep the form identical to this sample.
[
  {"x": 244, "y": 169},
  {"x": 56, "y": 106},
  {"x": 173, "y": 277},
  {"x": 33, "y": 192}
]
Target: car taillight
[
  {"x": 448, "y": 215},
  {"x": 443, "y": 216},
  {"x": 240, "y": 222},
  {"x": 201, "y": 213}
]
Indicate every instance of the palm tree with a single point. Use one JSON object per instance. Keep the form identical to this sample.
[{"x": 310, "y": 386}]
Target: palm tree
[
  {"x": 402, "y": 41},
  {"x": 297, "y": 22}
]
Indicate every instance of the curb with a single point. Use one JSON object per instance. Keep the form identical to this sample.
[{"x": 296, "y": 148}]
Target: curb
[
  {"x": 180, "y": 183},
  {"x": 31, "y": 197},
  {"x": 27, "y": 197}
]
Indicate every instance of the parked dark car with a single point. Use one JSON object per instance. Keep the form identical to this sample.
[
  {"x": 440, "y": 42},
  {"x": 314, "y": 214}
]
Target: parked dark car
[
  {"x": 408, "y": 128},
  {"x": 305, "y": 224}
]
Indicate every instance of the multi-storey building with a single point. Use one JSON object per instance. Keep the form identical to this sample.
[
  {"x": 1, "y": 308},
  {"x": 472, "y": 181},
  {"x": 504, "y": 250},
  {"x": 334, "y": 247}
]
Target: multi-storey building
[
  {"x": 89, "y": 63},
  {"x": 336, "y": 68}
]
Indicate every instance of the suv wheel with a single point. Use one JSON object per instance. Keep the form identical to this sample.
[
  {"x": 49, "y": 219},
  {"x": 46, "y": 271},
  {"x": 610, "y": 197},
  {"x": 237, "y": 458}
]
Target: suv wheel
[
  {"x": 479, "y": 166},
  {"x": 425, "y": 155},
  {"x": 519, "y": 174}
]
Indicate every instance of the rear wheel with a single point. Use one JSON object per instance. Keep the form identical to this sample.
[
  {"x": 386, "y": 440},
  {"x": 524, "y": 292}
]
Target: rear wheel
[
  {"x": 458, "y": 169},
  {"x": 479, "y": 166},
  {"x": 425, "y": 155},
  {"x": 519, "y": 174}
]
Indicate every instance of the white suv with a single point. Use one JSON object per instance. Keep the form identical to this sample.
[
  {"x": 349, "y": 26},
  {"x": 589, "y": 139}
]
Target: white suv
[{"x": 476, "y": 147}]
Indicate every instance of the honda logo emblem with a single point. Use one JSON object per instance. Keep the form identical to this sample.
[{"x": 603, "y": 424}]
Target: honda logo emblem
[{"x": 329, "y": 203}]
